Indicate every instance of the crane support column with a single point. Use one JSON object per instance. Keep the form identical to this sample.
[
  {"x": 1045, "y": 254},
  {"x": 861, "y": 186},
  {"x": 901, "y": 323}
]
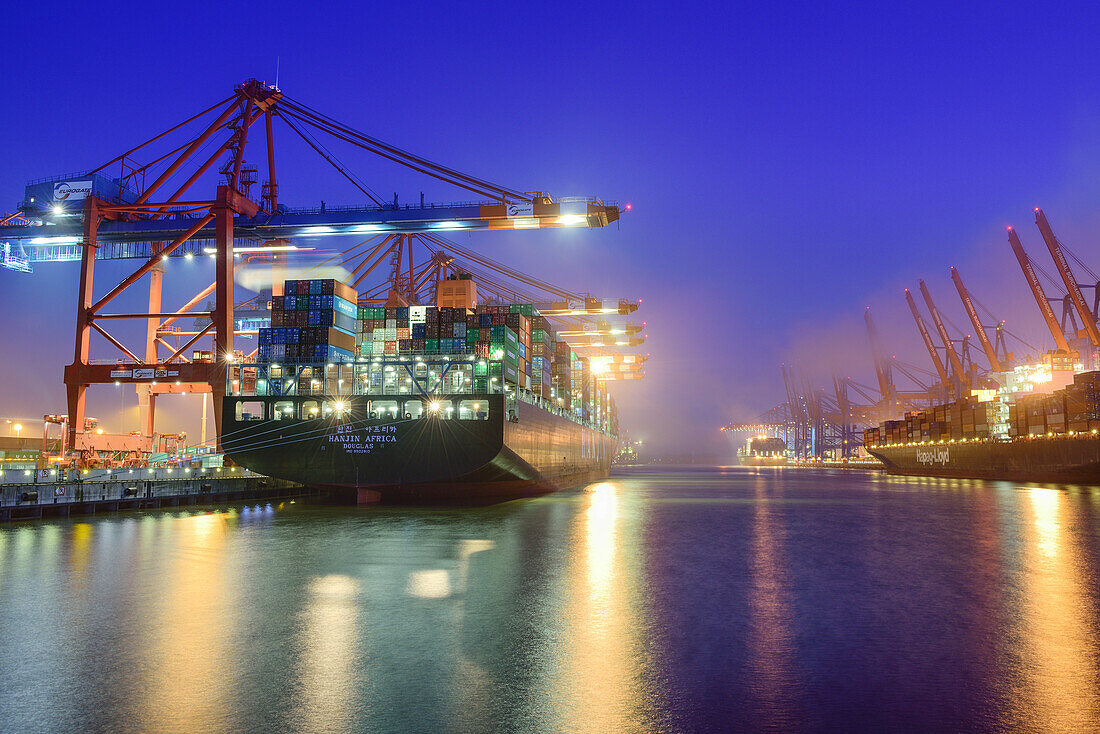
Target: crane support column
[
  {"x": 976, "y": 321},
  {"x": 147, "y": 398},
  {"x": 223, "y": 307},
  {"x": 1088, "y": 318},
  {"x": 75, "y": 387}
]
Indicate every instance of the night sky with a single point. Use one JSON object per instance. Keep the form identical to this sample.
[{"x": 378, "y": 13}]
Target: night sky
[{"x": 787, "y": 164}]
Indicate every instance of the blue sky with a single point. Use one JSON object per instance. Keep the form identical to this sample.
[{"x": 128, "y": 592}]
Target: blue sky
[{"x": 788, "y": 164}]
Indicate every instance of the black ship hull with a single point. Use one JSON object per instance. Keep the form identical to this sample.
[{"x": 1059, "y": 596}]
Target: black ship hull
[
  {"x": 431, "y": 459},
  {"x": 1061, "y": 460}
]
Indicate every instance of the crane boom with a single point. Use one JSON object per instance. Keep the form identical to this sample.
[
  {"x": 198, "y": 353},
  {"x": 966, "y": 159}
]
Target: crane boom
[
  {"x": 949, "y": 347},
  {"x": 968, "y": 304},
  {"x": 883, "y": 376},
  {"x": 927, "y": 339},
  {"x": 1037, "y": 291},
  {"x": 1087, "y": 316}
]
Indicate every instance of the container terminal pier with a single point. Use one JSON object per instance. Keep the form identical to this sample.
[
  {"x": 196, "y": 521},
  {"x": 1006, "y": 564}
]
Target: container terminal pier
[
  {"x": 350, "y": 349},
  {"x": 975, "y": 409}
]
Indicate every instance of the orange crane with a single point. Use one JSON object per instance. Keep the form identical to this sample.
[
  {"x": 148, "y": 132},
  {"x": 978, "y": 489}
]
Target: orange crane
[
  {"x": 1087, "y": 316},
  {"x": 882, "y": 370},
  {"x": 940, "y": 370},
  {"x": 1037, "y": 291},
  {"x": 948, "y": 345},
  {"x": 968, "y": 303}
]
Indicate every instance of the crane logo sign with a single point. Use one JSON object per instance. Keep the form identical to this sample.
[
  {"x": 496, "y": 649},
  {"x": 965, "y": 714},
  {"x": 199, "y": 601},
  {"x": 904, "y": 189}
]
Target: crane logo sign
[{"x": 71, "y": 190}]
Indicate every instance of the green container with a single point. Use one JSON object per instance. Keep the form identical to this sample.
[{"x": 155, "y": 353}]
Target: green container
[
  {"x": 495, "y": 369},
  {"x": 496, "y": 333},
  {"x": 431, "y": 345},
  {"x": 481, "y": 368},
  {"x": 481, "y": 384}
]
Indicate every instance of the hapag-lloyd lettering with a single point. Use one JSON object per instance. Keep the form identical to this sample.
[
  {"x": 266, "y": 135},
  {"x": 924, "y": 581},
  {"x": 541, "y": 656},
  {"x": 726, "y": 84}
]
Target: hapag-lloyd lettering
[{"x": 939, "y": 456}]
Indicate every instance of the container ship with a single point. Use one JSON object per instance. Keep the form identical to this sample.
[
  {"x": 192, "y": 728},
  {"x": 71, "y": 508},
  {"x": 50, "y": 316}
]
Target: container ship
[
  {"x": 763, "y": 451},
  {"x": 442, "y": 403},
  {"x": 1022, "y": 437}
]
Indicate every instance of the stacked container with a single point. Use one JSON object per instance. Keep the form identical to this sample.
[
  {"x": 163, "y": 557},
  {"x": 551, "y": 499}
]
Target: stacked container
[
  {"x": 1073, "y": 410},
  {"x": 313, "y": 321}
]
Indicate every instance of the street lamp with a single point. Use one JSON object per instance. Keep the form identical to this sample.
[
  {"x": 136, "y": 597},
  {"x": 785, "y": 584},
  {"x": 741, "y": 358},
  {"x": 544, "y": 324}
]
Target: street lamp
[{"x": 17, "y": 428}]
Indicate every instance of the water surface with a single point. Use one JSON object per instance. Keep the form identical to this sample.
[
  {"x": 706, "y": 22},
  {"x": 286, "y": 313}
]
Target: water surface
[{"x": 659, "y": 600}]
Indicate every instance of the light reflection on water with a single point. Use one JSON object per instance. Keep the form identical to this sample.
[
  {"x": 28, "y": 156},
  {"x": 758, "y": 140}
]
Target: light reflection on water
[
  {"x": 1059, "y": 621},
  {"x": 657, "y": 600}
]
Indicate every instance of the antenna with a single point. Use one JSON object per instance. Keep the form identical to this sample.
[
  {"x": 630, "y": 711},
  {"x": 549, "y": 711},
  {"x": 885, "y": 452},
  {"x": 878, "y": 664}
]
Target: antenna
[{"x": 277, "y": 59}]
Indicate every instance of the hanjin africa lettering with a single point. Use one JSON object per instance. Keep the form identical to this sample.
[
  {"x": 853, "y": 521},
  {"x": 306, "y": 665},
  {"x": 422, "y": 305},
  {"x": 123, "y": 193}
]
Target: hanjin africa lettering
[{"x": 363, "y": 439}]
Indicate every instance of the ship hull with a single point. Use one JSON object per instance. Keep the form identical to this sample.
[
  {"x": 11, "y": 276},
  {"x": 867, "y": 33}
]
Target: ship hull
[
  {"x": 1064, "y": 460},
  {"x": 430, "y": 459}
]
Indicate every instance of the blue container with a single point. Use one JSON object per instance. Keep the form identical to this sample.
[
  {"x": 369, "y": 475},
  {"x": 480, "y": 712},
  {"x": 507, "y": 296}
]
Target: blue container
[
  {"x": 336, "y": 354},
  {"x": 484, "y": 320},
  {"x": 343, "y": 306},
  {"x": 419, "y": 330},
  {"x": 265, "y": 336},
  {"x": 314, "y": 287},
  {"x": 315, "y": 301},
  {"x": 403, "y": 312}
]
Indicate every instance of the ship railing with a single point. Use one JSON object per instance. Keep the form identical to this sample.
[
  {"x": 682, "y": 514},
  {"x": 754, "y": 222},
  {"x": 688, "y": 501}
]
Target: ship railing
[
  {"x": 531, "y": 398},
  {"x": 48, "y": 477}
]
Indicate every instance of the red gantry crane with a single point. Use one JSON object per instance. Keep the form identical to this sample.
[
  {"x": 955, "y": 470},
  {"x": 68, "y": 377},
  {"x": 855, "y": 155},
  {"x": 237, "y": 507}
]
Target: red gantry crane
[
  {"x": 129, "y": 217},
  {"x": 1037, "y": 292},
  {"x": 976, "y": 321},
  {"x": 941, "y": 372},
  {"x": 957, "y": 369},
  {"x": 1088, "y": 318}
]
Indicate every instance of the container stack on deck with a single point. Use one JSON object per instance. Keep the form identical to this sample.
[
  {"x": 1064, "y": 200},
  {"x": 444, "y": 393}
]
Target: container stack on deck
[
  {"x": 518, "y": 345},
  {"x": 1073, "y": 410},
  {"x": 313, "y": 321}
]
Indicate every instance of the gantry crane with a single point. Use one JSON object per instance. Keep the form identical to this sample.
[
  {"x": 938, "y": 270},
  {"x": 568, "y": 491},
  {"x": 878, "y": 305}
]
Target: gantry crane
[
  {"x": 1037, "y": 292},
  {"x": 1088, "y": 318},
  {"x": 941, "y": 372},
  {"x": 96, "y": 217},
  {"x": 959, "y": 372},
  {"x": 882, "y": 366},
  {"x": 997, "y": 362}
]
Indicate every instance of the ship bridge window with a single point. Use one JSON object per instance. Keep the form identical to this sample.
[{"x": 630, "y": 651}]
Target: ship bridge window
[
  {"x": 284, "y": 411},
  {"x": 311, "y": 409},
  {"x": 385, "y": 409},
  {"x": 414, "y": 409},
  {"x": 250, "y": 410},
  {"x": 473, "y": 410}
]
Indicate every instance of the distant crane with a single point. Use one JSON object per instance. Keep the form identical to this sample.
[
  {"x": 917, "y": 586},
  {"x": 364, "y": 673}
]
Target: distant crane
[
  {"x": 1037, "y": 292},
  {"x": 1088, "y": 318},
  {"x": 941, "y": 371},
  {"x": 959, "y": 372},
  {"x": 997, "y": 362}
]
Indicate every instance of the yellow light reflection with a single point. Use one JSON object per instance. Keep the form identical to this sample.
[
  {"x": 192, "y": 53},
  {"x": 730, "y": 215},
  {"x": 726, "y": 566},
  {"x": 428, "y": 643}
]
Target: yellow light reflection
[
  {"x": 431, "y": 584},
  {"x": 1060, "y": 671},
  {"x": 600, "y": 687},
  {"x": 193, "y": 651},
  {"x": 329, "y": 661}
]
